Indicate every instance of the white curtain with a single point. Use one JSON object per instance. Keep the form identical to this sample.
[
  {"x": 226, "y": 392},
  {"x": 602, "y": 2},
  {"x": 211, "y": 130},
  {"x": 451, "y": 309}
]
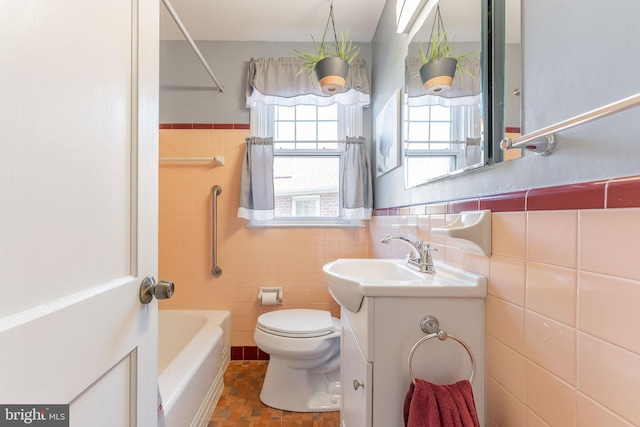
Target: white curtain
[
  {"x": 257, "y": 199},
  {"x": 357, "y": 194}
]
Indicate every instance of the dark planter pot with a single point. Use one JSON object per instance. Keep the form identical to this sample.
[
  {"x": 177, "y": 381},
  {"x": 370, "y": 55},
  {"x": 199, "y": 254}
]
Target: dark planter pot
[
  {"x": 332, "y": 74},
  {"x": 437, "y": 75}
]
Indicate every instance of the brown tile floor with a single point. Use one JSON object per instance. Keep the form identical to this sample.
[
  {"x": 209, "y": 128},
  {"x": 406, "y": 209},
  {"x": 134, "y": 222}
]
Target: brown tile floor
[{"x": 240, "y": 405}]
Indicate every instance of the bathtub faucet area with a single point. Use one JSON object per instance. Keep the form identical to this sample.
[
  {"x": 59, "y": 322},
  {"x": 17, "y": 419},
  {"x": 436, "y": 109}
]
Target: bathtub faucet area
[{"x": 420, "y": 256}]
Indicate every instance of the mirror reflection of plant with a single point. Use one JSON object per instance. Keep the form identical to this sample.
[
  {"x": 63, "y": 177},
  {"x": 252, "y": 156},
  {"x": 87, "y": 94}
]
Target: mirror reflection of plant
[{"x": 439, "y": 46}]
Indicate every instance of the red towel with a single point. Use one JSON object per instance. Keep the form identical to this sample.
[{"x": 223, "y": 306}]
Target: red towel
[{"x": 433, "y": 405}]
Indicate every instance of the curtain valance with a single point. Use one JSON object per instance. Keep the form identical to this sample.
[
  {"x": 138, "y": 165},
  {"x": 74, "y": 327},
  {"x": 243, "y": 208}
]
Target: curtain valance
[{"x": 276, "y": 81}]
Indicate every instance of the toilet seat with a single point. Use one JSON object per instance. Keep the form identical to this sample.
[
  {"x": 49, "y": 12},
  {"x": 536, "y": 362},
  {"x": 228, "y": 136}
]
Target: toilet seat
[{"x": 297, "y": 323}]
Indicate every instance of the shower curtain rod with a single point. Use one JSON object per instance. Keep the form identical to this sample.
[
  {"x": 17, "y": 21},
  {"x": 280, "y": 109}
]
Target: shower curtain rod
[{"x": 184, "y": 31}]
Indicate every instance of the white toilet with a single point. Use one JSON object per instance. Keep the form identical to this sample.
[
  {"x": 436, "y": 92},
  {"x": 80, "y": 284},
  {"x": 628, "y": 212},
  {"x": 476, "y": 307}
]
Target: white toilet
[{"x": 304, "y": 360}]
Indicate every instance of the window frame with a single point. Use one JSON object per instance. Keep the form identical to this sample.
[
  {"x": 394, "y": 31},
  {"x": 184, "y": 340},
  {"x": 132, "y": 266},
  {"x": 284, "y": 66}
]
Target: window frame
[{"x": 349, "y": 119}]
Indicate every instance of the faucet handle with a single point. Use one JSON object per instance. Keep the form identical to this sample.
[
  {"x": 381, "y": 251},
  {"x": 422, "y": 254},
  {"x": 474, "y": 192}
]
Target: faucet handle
[{"x": 426, "y": 253}]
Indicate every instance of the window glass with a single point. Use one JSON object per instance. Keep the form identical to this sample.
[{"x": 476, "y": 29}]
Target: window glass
[{"x": 307, "y": 186}]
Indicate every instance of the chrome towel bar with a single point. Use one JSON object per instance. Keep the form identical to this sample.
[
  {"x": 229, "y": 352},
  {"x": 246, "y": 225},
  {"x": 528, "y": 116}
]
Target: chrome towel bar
[
  {"x": 542, "y": 141},
  {"x": 216, "y": 271}
]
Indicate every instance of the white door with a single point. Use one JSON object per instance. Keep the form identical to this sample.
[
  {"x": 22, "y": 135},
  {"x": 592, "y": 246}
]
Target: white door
[{"x": 78, "y": 208}]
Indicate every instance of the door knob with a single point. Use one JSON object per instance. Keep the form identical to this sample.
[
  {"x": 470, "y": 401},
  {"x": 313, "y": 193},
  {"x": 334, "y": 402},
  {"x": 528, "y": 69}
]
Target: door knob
[
  {"x": 149, "y": 289},
  {"x": 357, "y": 384}
]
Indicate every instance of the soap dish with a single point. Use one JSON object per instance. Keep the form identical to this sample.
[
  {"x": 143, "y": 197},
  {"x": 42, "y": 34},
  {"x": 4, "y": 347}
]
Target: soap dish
[{"x": 471, "y": 231}]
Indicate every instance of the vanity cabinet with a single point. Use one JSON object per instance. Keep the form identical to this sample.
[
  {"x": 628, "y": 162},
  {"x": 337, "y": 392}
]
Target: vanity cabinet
[
  {"x": 376, "y": 342},
  {"x": 355, "y": 380}
]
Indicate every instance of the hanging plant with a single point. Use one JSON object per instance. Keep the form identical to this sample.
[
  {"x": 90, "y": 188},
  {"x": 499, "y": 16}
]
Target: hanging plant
[
  {"x": 330, "y": 60},
  {"x": 439, "y": 66}
]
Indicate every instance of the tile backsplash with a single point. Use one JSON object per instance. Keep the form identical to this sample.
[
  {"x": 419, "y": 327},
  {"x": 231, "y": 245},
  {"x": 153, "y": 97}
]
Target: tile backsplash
[{"x": 562, "y": 316}]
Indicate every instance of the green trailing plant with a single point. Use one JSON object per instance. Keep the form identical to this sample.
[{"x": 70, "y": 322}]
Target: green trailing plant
[
  {"x": 341, "y": 48},
  {"x": 309, "y": 60},
  {"x": 439, "y": 47}
]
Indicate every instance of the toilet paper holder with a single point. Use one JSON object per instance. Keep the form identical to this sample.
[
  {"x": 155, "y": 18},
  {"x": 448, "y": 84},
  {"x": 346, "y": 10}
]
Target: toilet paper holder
[{"x": 270, "y": 290}]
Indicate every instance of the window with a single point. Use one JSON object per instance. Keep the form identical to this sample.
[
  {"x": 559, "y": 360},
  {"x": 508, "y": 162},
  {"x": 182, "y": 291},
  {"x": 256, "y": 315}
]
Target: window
[
  {"x": 312, "y": 137},
  {"x": 435, "y": 139},
  {"x": 306, "y": 206},
  {"x": 428, "y": 148},
  {"x": 306, "y": 127},
  {"x": 307, "y": 163}
]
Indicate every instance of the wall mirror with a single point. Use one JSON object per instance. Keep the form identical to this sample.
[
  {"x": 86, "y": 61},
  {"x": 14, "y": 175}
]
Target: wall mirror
[
  {"x": 512, "y": 75},
  {"x": 449, "y": 133}
]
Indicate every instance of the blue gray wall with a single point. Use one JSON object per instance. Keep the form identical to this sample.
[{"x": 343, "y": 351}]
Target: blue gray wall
[
  {"x": 575, "y": 59},
  {"x": 187, "y": 93}
]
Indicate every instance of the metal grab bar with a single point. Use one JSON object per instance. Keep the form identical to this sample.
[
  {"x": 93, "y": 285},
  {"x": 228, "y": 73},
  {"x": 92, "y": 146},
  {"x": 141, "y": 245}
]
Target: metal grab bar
[
  {"x": 216, "y": 271},
  {"x": 545, "y": 147}
]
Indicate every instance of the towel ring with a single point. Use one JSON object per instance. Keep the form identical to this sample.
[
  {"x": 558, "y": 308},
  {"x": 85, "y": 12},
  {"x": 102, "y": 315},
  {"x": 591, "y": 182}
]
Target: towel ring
[{"x": 441, "y": 335}]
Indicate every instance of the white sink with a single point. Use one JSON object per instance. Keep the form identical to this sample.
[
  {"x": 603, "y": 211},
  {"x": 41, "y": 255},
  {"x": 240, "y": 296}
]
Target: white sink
[{"x": 350, "y": 280}]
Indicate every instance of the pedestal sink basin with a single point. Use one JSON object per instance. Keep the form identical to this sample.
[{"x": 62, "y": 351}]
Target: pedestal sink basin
[{"x": 350, "y": 280}]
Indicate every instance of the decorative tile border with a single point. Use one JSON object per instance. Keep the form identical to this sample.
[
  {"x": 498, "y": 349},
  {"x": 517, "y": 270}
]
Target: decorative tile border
[
  {"x": 204, "y": 125},
  {"x": 623, "y": 192},
  {"x": 248, "y": 353},
  {"x": 614, "y": 193}
]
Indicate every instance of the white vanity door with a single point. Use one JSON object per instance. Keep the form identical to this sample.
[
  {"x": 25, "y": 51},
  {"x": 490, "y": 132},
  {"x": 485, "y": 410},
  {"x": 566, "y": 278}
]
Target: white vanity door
[{"x": 356, "y": 382}]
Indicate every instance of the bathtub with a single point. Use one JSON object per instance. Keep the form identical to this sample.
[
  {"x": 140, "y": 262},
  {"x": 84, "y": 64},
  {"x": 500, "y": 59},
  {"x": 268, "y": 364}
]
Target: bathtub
[{"x": 193, "y": 353}]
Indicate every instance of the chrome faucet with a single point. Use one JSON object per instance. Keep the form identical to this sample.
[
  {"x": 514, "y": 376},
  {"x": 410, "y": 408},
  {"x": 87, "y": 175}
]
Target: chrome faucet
[{"x": 420, "y": 256}]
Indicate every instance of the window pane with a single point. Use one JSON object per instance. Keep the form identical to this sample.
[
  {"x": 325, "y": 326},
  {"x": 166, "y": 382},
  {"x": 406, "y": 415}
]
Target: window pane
[
  {"x": 300, "y": 180},
  {"x": 306, "y": 131},
  {"x": 329, "y": 112},
  {"x": 306, "y": 112},
  {"x": 285, "y": 113},
  {"x": 327, "y": 131},
  {"x": 418, "y": 131},
  {"x": 285, "y": 131},
  {"x": 419, "y": 113},
  {"x": 421, "y": 169},
  {"x": 440, "y": 131},
  {"x": 440, "y": 113}
]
